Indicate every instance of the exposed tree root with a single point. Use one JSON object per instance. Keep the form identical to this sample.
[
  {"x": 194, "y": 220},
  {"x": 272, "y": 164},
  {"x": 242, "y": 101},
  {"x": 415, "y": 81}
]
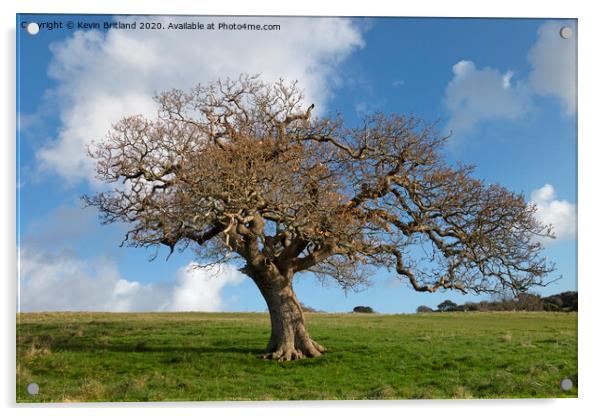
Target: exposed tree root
[{"x": 290, "y": 352}]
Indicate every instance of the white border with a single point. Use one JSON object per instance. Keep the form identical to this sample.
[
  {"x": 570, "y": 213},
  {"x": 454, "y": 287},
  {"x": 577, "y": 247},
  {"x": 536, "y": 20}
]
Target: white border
[{"x": 590, "y": 279}]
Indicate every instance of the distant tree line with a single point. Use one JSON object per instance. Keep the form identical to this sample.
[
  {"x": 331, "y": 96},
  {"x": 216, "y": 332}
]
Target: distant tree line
[
  {"x": 307, "y": 308},
  {"x": 363, "y": 309},
  {"x": 561, "y": 302}
]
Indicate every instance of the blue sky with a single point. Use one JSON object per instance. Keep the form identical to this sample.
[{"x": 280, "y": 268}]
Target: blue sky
[{"x": 504, "y": 87}]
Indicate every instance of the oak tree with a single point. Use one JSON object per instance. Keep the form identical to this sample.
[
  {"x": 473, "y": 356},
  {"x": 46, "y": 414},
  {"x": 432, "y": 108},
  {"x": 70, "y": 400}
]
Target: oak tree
[{"x": 240, "y": 170}]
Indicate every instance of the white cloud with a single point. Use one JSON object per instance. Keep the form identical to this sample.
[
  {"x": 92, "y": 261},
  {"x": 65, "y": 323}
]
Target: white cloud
[
  {"x": 560, "y": 213},
  {"x": 198, "y": 288},
  {"x": 506, "y": 78},
  {"x": 475, "y": 95},
  {"x": 554, "y": 64},
  {"x": 58, "y": 272},
  {"x": 60, "y": 282},
  {"x": 102, "y": 77}
]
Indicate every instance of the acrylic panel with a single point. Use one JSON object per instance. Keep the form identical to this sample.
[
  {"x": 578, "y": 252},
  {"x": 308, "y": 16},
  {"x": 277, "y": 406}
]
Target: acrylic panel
[{"x": 223, "y": 208}]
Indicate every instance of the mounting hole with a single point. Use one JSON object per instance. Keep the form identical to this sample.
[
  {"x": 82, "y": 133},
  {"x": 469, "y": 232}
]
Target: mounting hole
[
  {"x": 566, "y": 384},
  {"x": 33, "y": 28},
  {"x": 33, "y": 389},
  {"x": 566, "y": 32}
]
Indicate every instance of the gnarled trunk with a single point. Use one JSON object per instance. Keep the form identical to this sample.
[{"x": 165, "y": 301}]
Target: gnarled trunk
[{"x": 289, "y": 339}]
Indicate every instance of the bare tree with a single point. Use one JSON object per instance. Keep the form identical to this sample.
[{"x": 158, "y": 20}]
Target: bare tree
[{"x": 240, "y": 168}]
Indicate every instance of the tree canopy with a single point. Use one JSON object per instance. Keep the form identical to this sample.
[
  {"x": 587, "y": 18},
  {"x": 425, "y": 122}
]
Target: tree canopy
[{"x": 242, "y": 168}]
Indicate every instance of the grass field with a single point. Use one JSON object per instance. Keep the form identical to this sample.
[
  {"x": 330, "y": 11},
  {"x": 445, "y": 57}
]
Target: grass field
[{"x": 205, "y": 356}]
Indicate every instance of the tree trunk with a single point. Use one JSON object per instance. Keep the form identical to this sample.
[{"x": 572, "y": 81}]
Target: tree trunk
[{"x": 289, "y": 339}]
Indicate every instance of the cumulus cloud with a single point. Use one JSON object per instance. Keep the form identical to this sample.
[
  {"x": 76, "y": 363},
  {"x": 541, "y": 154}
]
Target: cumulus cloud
[
  {"x": 554, "y": 63},
  {"x": 198, "y": 288},
  {"x": 62, "y": 282},
  {"x": 103, "y": 76},
  {"x": 476, "y": 95},
  {"x": 62, "y": 268},
  {"x": 550, "y": 210}
]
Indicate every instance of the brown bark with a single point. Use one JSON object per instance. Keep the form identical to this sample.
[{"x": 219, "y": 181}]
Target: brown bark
[{"x": 289, "y": 339}]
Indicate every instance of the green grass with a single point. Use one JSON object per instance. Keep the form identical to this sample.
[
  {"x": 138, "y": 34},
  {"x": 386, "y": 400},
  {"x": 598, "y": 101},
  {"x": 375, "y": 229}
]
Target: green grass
[{"x": 205, "y": 356}]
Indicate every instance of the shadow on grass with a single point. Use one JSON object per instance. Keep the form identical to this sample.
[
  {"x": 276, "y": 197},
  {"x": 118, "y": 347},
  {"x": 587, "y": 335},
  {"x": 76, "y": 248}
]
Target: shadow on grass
[{"x": 59, "y": 345}]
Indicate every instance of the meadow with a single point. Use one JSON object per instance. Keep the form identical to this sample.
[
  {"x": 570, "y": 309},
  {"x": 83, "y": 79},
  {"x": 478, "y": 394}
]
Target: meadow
[{"x": 90, "y": 357}]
